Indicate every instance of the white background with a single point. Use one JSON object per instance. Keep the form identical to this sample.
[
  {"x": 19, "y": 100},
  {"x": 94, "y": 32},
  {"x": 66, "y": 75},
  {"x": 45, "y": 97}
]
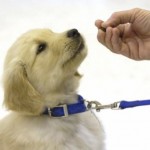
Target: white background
[{"x": 107, "y": 77}]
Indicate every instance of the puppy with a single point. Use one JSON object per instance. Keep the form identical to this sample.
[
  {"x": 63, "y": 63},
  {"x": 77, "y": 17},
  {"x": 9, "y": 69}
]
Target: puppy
[{"x": 40, "y": 75}]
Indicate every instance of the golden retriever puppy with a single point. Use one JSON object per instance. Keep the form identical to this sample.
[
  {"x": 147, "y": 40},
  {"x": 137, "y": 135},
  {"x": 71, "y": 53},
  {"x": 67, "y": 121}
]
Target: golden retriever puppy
[{"x": 40, "y": 83}]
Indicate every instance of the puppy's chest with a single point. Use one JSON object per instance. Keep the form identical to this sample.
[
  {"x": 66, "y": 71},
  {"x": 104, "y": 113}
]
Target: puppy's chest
[{"x": 53, "y": 133}]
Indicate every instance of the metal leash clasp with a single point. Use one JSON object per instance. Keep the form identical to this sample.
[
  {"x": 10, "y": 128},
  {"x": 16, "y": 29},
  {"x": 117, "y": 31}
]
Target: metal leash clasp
[
  {"x": 98, "y": 106},
  {"x": 94, "y": 105}
]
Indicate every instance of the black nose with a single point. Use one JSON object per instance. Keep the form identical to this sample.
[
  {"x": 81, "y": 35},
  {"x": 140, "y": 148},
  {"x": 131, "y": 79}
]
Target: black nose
[{"x": 73, "y": 33}]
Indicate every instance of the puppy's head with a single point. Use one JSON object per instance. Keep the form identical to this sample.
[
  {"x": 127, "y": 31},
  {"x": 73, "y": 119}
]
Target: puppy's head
[{"x": 37, "y": 63}]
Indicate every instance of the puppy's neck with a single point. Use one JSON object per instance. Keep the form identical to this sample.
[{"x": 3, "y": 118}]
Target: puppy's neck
[{"x": 64, "y": 92}]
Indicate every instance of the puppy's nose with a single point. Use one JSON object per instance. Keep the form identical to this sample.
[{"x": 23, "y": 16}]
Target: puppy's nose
[{"x": 73, "y": 33}]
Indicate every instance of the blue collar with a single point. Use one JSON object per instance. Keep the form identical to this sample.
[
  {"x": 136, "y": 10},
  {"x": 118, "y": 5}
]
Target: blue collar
[{"x": 67, "y": 109}]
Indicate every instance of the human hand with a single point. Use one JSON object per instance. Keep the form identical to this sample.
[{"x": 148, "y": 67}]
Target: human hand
[{"x": 127, "y": 33}]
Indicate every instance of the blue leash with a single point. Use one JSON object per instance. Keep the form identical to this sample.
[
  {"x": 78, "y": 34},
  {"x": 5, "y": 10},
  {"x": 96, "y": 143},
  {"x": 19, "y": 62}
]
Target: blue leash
[{"x": 130, "y": 104}]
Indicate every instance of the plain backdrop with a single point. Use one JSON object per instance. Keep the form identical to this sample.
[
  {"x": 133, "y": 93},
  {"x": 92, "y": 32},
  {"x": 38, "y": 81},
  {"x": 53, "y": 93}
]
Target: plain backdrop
[{"x": 107, "y": 77}]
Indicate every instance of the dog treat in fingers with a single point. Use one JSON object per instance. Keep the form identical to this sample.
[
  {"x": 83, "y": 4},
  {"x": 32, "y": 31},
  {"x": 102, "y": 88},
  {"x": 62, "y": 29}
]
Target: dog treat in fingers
[{"x": 103, "y": 29}]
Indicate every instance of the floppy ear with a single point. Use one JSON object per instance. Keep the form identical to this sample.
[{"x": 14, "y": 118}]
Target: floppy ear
[{"x": 19, "y": 94}]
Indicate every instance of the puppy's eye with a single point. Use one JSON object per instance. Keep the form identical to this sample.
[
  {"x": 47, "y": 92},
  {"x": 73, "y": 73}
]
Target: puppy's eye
[{"x": 41, "y": 48}]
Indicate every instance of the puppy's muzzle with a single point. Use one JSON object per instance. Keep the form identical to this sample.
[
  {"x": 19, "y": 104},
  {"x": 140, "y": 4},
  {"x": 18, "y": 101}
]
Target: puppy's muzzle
[
  {"x": 76, "y": 44},
  {"x": 73, "y": 33}
]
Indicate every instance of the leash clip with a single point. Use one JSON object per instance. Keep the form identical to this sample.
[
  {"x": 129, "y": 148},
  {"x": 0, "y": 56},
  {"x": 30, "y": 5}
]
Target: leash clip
[
  {"x": 98, "y": 106},
  {"x": 94, "y": 105}
]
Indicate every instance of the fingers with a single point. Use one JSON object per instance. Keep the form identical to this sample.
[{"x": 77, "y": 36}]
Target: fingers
[
  {"x": 112, "y": 40},
  {"x": 101, "y": 36},
  {"x": 116, "y": 40},
  {"x": 118, "y": 45},
  {"x": 108, "y": 38}
]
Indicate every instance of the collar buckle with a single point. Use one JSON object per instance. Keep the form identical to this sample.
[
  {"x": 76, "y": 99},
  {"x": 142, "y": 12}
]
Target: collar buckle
[{"x": 65, "y": 109}]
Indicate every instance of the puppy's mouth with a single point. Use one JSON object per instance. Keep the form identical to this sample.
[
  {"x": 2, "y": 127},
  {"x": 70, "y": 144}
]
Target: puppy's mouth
[
  {"x": 78, "y": 50},
  {"x": 75, "y": 53}
]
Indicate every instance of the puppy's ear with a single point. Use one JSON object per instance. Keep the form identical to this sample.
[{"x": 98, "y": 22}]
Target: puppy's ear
[{"x": 19, "y": 94}]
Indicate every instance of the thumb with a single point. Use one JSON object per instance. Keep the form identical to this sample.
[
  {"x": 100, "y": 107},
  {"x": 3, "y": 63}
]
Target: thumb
[{"x": 120, "y": 17}]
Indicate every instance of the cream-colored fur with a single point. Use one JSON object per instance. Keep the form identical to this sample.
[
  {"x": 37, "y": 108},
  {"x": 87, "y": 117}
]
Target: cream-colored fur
[{"x": 34, "y": 80}]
